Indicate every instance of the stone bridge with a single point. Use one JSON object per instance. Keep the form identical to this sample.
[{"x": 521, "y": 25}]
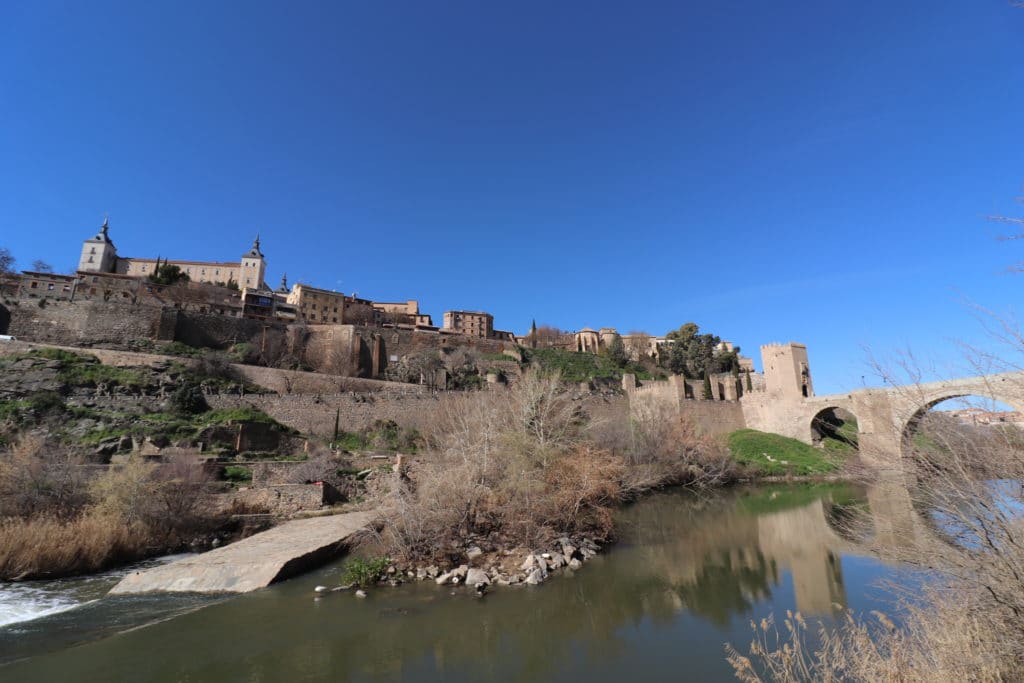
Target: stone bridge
[
  {"x": 781, "y": 400},
  {"x": 884, "y": 416}
]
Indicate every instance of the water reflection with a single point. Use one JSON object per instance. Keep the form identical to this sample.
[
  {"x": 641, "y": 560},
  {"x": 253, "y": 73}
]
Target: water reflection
[{"x": 686, "y": 576}]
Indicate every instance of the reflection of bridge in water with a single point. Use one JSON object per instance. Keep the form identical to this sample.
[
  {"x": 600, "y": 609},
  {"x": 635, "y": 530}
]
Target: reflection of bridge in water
[{"x": 741, "y": 555}]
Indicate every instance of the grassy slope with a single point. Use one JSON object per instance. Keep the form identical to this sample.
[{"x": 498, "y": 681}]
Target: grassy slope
[{"x": 752, "y": 449}]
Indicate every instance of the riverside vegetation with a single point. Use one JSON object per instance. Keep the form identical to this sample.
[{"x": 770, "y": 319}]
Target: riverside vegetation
[{"x": 498, "y": 473}]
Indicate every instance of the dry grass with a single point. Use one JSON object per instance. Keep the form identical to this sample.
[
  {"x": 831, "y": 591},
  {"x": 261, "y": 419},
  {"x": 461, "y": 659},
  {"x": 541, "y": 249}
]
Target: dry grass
[
  {"x": 55, "y": 521},
  {"x": 47, "y": 546}
]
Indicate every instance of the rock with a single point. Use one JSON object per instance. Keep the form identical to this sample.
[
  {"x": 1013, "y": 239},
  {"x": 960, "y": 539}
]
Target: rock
[
  {"x": 536, "y": 576},
  {"x": 556, "y": 561},
  {"x": 320, "y": 589},
  {"x": 546, "y": 556},
  {"x": 474, "y": 552},
  {"x": 575, "y": 564},
  {"x": 433, "y": 572},
  {"x": 360, "y": 593},
  {"x": 587, "y": 553},
  {"x": 421, "y": 573},
  {"x": 461, "y": 571},
  {"x": 443, "y": 578},
  {"x": 529, "y": 563},
  {"x": 477, "y": 576}
]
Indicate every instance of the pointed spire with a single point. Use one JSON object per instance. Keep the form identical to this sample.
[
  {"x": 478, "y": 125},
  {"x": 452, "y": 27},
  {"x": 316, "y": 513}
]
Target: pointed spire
[
  {"x": 284, "y": 283},
  {"x": 255, "y": 251}
]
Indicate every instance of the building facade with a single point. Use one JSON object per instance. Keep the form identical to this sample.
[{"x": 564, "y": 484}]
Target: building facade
[
  {"x": 99, "y": 255},
  {"x": 470, "y": 323}
]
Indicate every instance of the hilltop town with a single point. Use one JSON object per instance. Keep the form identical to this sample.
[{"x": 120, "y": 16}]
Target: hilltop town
[{"x": 140, "y": 303}]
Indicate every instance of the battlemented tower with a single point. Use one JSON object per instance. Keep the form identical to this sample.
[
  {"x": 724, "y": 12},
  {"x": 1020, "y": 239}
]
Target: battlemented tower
[{"x": 787, "y": 372}]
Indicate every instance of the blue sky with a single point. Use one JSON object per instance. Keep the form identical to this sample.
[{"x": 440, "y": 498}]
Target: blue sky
[{"x": 814, "y": 171}]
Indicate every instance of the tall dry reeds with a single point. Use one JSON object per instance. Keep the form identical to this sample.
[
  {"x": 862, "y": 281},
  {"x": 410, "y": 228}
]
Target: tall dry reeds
[
  {"x": 57, "y": 521},
  {"x": 50, "y": 547}
]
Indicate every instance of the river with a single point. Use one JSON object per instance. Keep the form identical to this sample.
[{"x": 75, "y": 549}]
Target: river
[{"x": 687, "y": 575}]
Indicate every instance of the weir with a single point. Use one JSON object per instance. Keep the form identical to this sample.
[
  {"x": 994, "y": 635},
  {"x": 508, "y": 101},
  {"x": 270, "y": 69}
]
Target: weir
[{"x": 255, "y": 562}]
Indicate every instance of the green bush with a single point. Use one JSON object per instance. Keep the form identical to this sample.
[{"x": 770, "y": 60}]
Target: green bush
[
  {"x": 238, "y": 474},
  {"x": 362, "y": 573},
  {"x": 188, "y": 399}
]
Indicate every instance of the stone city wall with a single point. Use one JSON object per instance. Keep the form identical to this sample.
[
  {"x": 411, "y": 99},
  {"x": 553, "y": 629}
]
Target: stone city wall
[
  {"x": 85, "y": 323},
  {"x": 283, "y": 499}
]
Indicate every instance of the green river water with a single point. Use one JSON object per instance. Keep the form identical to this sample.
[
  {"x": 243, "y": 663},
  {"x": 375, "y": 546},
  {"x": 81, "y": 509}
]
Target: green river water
[{"x": 687, "y": 575}]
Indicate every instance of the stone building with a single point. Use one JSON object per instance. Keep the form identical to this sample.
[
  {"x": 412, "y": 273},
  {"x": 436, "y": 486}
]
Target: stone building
[
  {"x": 471, "y": 323},
  {"x": 99, "y": 255},
  {"x": 403, "y": 312}
]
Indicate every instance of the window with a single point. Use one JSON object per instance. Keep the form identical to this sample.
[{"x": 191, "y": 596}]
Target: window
[
  {"x": 34, "y": 285},
  {"x": 144, "y": 268},
  {"x": 49, "y": 287},
  {"x": 92, "y": 251}
]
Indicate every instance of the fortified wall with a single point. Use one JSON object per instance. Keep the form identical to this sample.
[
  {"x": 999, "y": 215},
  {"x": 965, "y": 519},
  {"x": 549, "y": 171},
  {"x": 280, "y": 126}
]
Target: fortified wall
[
  {"x": 772, "y": 403},
  {"x": 346, "y": 350}
]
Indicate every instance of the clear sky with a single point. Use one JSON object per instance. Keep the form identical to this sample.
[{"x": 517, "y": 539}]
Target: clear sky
[{"x": 803, "y": 170}]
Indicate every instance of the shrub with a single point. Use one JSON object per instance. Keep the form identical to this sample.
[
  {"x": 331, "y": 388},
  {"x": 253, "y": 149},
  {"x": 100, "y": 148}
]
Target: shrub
[
  {"x": 362, "y": 573},
  {"x": 39, "y": 478},
  {"x": 188, "y": 399},
  {"x": 238, "y": 474}
]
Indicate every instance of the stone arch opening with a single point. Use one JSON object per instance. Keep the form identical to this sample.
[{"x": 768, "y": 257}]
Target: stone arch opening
[
  {"x": 835, "y": 427},
  {"x": 950, "y": 419}
]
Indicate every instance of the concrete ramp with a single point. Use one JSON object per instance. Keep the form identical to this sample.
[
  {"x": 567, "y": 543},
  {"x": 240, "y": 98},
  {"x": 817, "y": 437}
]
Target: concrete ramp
[{"x": 254, "y": 562}]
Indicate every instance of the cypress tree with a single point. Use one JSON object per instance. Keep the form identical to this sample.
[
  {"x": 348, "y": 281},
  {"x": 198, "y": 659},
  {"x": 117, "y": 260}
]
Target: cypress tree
[
  {"x": 337, "y": 417},
  {"x": 707, "y": 387},
  {"x": 750, "y": 385}
]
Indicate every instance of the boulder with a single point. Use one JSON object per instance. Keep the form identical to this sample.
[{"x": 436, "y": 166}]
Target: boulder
[
  {"x": 461, "y": 571},
  {"x": 575, "y": 564},
  {"x": 443, "y": 578},
  {"x": 477, "y": 576},
  {"x": 474, "y": 552},
  {"x": 536, "y": 576}
]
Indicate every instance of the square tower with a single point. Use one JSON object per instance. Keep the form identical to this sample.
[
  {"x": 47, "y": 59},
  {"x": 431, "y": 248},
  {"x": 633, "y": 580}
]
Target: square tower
[
  {"x": 787, "y": 372},
  {"x": 253, "y": 268},
  {"x": 98, "y": 253}
]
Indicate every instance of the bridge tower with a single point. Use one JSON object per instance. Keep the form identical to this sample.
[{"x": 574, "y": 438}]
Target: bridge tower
[{"x": 787, "y": 372}]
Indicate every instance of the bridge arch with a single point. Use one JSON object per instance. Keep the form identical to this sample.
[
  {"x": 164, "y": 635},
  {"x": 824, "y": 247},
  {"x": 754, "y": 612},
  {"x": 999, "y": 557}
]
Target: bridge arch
[
  {"x": 833, "y": 421},
  {"x": 912, "y": 416}
]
